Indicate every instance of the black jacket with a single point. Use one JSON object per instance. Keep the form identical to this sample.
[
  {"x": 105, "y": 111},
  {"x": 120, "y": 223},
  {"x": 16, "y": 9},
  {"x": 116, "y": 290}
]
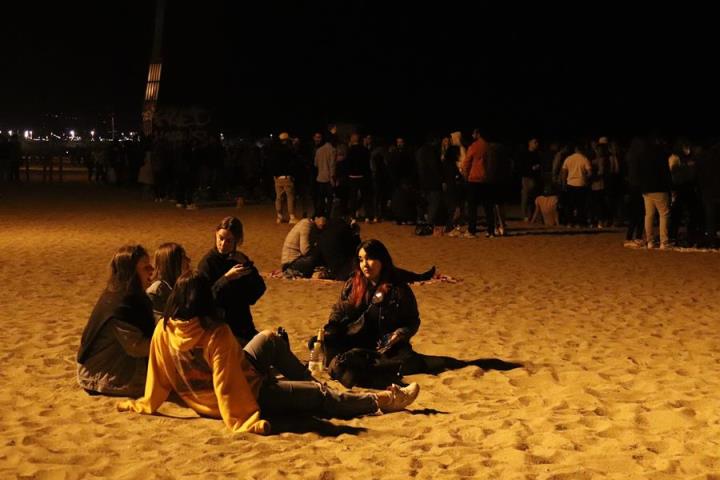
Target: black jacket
[
  {"x": 396, "y": 312},
  {"x": 233, "y": 297},
  {"x": 133, "y": 308}
]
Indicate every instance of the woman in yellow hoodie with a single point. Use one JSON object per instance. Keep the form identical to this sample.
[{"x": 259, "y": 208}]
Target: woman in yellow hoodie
[{"x": 194, "y": 355}]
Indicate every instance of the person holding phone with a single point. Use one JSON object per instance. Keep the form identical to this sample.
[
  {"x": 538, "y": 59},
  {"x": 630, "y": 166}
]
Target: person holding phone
[{"x": 236, "y": 283}]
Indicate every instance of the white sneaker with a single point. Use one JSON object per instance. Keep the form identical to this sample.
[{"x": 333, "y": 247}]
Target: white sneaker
[{"x": 400, "y": 398}]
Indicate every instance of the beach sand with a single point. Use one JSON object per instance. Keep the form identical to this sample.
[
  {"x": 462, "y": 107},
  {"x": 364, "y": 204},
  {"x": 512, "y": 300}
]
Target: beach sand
[{"x": 621, "y": 354}]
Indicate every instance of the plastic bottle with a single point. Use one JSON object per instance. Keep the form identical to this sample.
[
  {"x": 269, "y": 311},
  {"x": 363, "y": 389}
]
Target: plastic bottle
[{"x": 317, "y": 354}]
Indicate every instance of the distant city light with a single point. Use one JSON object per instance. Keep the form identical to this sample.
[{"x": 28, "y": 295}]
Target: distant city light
[
  {"x": 72, "y": 134},
  {"x": 10, "y": 133},
  {"x": 26, "y": 134}
]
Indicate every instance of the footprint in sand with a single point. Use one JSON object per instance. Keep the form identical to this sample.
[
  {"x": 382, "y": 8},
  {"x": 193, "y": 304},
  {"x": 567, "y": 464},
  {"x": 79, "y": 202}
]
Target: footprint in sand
[
  {"x": 465, "y": 471},
  {"x": 326, "y": 475},
  {"x": 525, "y": 400},
  {"x": 469, "y": 416},
  {"x": 51, "y": 362}
]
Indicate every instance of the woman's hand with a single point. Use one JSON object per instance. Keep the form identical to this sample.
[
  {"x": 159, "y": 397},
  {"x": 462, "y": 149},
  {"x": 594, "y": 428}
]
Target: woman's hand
[
  {"x": 238, "y": 271},
  {"x": 394, "y": 338}
]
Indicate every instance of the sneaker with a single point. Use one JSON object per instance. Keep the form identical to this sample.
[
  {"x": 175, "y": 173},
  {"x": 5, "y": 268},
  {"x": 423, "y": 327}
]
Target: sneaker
[
  {"x": 469, "y": 235},
  {"x": 292, "y": 220},
  {"x": 666, "y": 246},
  {"x": 278, "y": 219},
  {"x": 630, "y": 244},
  {"x": 455, "y": 232},
  {"x": 401, "y": 397}
]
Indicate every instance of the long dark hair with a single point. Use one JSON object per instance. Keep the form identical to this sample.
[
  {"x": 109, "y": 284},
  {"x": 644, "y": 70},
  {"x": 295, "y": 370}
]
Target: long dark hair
[
  {"x": 123, "y": 269},
  {"x": 191, "y": 297},
  {"x": 375, "y": 250},
  {"x": 168, "y": 262}
]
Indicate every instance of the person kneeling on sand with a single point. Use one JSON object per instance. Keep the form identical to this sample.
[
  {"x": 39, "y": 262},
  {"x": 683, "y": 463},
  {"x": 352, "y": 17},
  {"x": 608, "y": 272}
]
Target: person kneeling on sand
[
  {"x": 112, "y": 359},
  {"x": 197, "y": 356},
  {"x": 300, "y": 254}
]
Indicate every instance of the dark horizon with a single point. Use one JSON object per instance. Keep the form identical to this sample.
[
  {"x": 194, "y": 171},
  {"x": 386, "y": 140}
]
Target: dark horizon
[{"x": 400, "y": 69}]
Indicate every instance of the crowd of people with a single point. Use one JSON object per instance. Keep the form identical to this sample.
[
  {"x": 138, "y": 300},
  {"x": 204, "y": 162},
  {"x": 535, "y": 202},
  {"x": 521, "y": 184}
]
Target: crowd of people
[
  {"x": 441, "y": 183},
  {"x": 438, "y": 184}
]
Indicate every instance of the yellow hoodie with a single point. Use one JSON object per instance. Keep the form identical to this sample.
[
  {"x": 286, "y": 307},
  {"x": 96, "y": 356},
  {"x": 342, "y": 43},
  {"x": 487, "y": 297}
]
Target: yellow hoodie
[{"x": 208, "y": 370}]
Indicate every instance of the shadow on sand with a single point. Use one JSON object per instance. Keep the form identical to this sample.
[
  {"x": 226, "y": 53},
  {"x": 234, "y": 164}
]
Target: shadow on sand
[{"x": 306, "y": 424}]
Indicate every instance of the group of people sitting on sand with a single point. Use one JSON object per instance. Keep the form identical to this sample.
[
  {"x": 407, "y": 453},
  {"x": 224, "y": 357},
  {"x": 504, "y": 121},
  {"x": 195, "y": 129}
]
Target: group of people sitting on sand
[{"x": 161, "y": 327}]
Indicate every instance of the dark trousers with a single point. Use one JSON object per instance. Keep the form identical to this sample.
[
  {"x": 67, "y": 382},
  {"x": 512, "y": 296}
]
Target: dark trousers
[
  {"x": 324, "y": 198},
  {"x": 480, "y": 193},
  {"x": 304, "y": 264},
  {"x": 359, "y": 196},
  {"x": 636, "y": 216},
  {"x": 577, "y": 201},
  {"x": 298, "y": 393}
]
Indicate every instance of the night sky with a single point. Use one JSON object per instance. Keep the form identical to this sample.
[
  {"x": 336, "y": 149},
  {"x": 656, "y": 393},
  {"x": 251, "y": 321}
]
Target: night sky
[{"x": 403, "y": 68}]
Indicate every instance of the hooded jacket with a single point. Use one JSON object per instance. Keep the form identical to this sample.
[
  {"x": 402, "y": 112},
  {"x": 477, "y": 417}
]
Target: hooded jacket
[
  {"x": 234, "y": 297},
  {"x": 207, "y": 369}
]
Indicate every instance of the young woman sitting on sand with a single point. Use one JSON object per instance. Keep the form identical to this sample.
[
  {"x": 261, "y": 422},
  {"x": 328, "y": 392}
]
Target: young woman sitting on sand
[
  {"x": 197, "y": 356},
  {"x": 170, "y": 261},
  {"x": 377, "y": 312},
  {"x": 236, "y": 283},
  {"x": 112, "y": 359}
]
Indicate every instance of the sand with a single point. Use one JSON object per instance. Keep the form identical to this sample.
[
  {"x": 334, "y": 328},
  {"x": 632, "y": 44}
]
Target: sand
[{"x": 621, "y": 350}]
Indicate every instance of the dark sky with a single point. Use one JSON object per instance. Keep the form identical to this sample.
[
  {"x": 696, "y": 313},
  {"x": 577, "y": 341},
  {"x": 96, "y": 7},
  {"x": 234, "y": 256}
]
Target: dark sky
[{"x": 263, "y": 66}]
